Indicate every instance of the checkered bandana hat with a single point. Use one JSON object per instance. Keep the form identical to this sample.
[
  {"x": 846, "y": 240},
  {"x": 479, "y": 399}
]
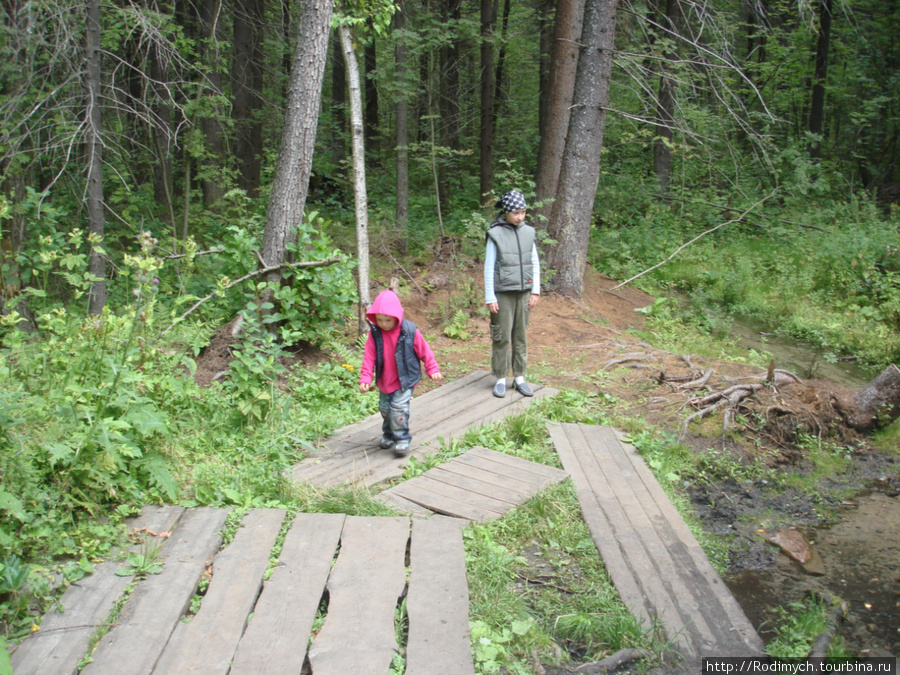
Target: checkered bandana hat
[{"x": 511, "y": 201}]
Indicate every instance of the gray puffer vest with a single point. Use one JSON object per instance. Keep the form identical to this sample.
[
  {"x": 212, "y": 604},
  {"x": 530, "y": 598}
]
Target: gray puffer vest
[{"x": 513, "y": 270}]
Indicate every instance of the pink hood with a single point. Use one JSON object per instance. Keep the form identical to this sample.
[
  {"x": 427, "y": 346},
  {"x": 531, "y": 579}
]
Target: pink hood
[{"x": 388, "y": 303}]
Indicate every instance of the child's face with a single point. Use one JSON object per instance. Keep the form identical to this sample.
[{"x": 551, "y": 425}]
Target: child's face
[
  {"x": 385, "y": 321},
  {"x": 515, "y": 217}
]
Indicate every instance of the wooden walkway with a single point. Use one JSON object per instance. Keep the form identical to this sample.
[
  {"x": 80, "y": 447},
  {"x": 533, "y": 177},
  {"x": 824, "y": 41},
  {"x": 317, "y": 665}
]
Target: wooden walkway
[
  {"x": 353, "y": 456},
  {"x": 353, "y": 571},
  {"x": 478, "y": 485},
  {"x": 655, "y": 563}
]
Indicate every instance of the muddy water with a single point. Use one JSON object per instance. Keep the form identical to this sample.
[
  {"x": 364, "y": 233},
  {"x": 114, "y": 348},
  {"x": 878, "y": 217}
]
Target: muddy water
[
  {"x": 860, "y": 552},
  {"x": 861, "y": 556}
]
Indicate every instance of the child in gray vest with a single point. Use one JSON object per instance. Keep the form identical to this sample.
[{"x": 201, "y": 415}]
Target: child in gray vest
[
  {"x": 391, "y": 360},
  {"x": 512, "y": 286}
]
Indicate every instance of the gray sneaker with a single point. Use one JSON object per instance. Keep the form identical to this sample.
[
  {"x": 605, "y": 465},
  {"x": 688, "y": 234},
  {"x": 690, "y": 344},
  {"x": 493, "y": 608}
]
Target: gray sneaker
[
  {"x": 500, "y": 389},
  {"x": 401, "y": 448},
  {"x": 386, "y": 443},
  {"x": 524, "y": 389}
]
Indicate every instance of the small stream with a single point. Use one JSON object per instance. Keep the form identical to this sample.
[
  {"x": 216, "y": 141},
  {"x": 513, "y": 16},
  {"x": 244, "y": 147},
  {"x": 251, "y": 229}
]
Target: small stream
[
  {"x": 797, "y": 357},
  {"x": 860, "y": 552}
]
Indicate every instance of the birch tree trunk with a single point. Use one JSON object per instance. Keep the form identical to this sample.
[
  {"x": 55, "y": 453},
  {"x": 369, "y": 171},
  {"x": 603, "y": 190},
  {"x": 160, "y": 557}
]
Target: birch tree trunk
[
  {"x": 570, "y": 222},
  {"x": 97, "y": 261},
  {"x": 359, "y": 174},
  {"x": 290, "y": 184}
]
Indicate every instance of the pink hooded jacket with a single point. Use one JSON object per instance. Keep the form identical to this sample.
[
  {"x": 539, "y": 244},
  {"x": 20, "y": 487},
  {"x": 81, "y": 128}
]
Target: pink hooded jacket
[{"x": 388, "y": 303}]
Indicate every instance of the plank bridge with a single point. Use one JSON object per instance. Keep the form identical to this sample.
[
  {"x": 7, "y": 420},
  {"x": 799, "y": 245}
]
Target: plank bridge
[{"x": 336, "y": 594}]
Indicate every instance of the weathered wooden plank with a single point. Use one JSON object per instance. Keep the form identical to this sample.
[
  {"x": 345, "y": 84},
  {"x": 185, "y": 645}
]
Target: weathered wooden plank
[
  {"x": 357, "y": 459},
  {"x": 159, "y": 601},
  {"x": 365, "y": 585},
  {"x": 207, "y": 643},
  {"x": 443, "y": 504},
  {"x": 511, "y": 468},
  {"x": 600, "y": 526},
  {"x": 64, "y": 636},
  {"x": 451, "y": 500},
  {"x": 506, "y": 496},
  {"x": 277, "y": 637},
  {"x": 402, "y": 504},
  {"x": 735, "y": 629},
  {"x": 437, "y": 602},
  {"x": 651, "y": 563}
]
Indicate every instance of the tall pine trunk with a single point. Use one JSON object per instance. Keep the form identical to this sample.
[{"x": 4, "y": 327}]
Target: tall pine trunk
[
  {"x": 486, "y": 157},
  {"x": 670, "y": 22},
  {"x": 570, "y": 222},
  {"x": 401, "y": 112},
  {"x": 247, "y": 81},
  {"x": 817, "y": 106},
  {"x": 298, "y": 137},
  {"x": 563, "y": 66}
]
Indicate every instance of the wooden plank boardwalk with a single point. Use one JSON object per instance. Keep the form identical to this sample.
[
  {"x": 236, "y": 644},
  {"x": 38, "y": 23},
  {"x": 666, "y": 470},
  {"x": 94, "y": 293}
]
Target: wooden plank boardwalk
[
  {"x": 351, "y": 570},
  {"x": 478, "y": 485},
  {"x": 654, "y": 561},
  {"x": 353, "y": 456}
]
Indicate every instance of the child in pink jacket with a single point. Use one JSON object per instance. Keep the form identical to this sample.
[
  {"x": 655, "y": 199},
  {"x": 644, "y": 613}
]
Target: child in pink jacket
[{"x": 392, "y": 360}]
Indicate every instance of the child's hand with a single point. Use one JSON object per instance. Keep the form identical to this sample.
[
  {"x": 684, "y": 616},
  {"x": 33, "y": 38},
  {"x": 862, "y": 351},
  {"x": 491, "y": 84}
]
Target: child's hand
[
  {"x": 364, "y": 387},
  {"x": 436, "y": 376}
]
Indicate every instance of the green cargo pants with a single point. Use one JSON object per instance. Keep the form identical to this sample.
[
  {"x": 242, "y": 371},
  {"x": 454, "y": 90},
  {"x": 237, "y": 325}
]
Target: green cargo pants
[{"x": 508, "y": 331}]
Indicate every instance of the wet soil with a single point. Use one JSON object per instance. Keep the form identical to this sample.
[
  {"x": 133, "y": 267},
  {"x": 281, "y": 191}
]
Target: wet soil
[{"x": 591, "y": 344}]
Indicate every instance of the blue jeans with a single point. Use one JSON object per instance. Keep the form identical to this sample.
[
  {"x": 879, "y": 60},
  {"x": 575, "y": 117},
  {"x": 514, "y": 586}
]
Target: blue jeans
[{"x": 394, "y": 409}]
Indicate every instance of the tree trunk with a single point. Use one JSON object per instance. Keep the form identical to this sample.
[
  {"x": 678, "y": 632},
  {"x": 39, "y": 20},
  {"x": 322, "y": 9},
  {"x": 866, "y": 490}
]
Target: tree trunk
[
  {"x": 210, "y": 124},
  {"x": 877, "y": 404},
  {"x": 247, "y": 91},
  {"x": 359, "y": 176},
  {"x": 486, "y": 158},
  {"x": 448, "y": 98},
  {"x": 338, "y": 104},
  {"x": 298, "y": 136},
  {"x": 817, "y": 105},
  {"x": 401, "y": 111},
  {"x": 570, "y": 221},
  {"x": 545, "y": 29},
  {"x": 563, "y": 66},
  {"x": 371, "y": 110},
  {"x": 94, "y": 143},
  {"x": 670, "y": 22}
]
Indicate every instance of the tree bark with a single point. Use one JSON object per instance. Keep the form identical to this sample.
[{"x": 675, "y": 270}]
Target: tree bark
[
  {"x": 247, "y": 91},
  {"x": 877, "y": 404},
  {"x": 359, "y": 176},
  {"x": 570, "y": 221},
  {"x": 210, "y": 124},
  {"x": 448, "y": 98},
  {"x": 94, "y": 142},
  {"x": 563, "y": 67},
  {"x": 291, "y": 181},
  {"x": 401, "y": 112},
  {"x": 338, "y": 103},
  {"x": 371, "y": 110},
  {"x": 486, "y": 157},
  {"x": 817, "y": 105},
  {"x": 670, "y": 21}
]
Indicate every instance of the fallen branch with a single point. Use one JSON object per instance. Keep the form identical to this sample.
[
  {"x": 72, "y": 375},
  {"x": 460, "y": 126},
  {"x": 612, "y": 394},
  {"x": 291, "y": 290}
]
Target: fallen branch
[
  {"x": 626, "y": 359},
  {"x": 251, "y": 275},
  {"x": 698, "y": 237},
  {"x": 610, "y": 663},
  {"x": 699, "y": 382}
]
